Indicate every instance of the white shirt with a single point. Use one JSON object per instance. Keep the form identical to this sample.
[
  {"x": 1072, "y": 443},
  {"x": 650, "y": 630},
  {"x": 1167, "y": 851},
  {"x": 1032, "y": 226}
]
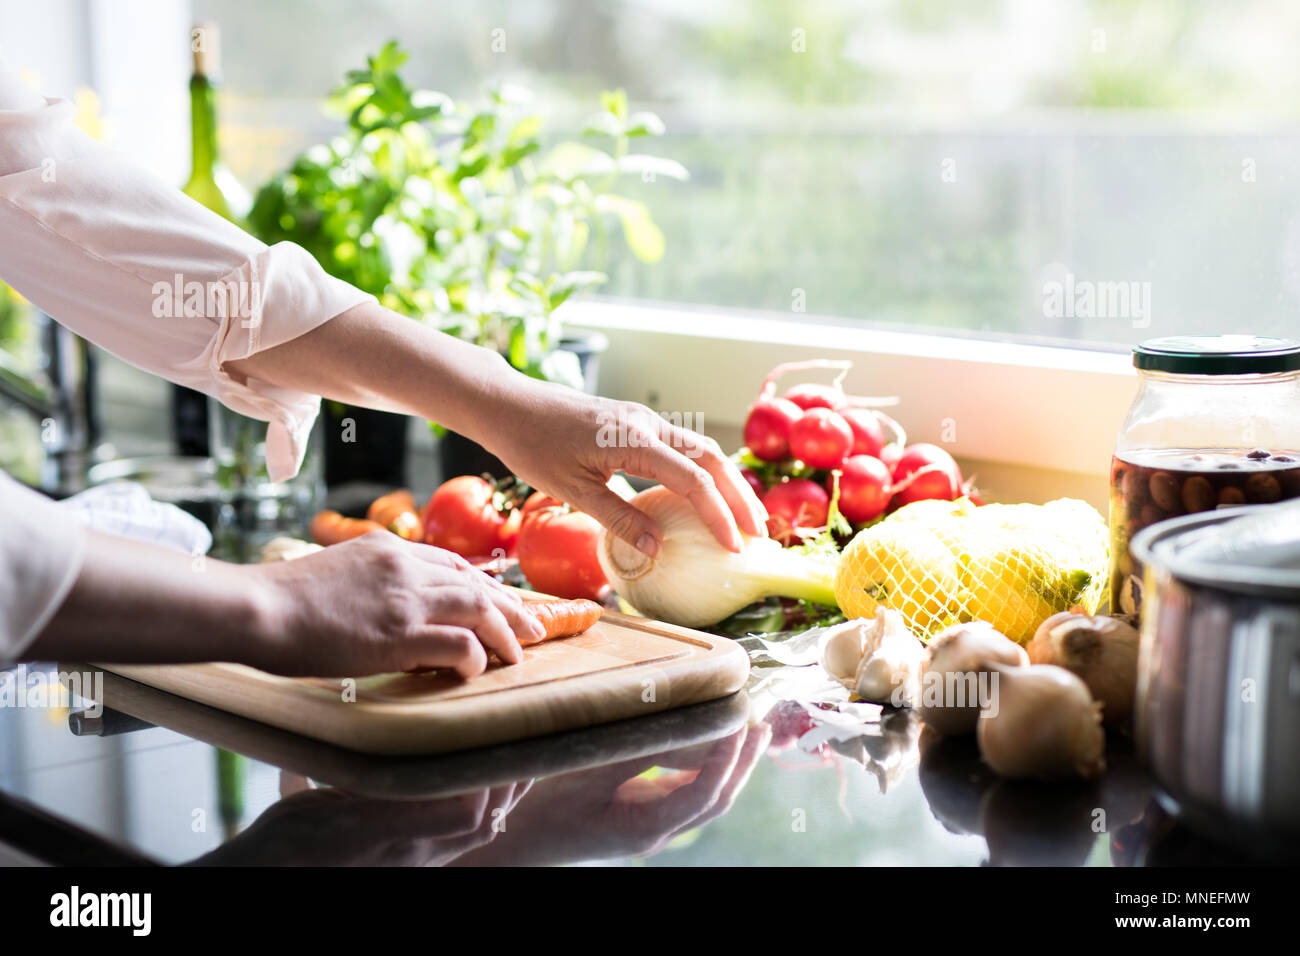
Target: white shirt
[{"x": 103, "y": 248}]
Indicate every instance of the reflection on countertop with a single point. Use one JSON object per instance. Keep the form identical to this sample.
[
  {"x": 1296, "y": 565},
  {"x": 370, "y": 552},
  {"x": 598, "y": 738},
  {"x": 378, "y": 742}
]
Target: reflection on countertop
[{"x": 701, "y": 785}]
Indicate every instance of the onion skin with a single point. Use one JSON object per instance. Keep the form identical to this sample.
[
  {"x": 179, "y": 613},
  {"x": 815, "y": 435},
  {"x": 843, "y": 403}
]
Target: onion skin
[
  {"x": 1046, "y": 726},
  {"x": 962, "y": 649},
  {"x": 1102, "y": 651}
]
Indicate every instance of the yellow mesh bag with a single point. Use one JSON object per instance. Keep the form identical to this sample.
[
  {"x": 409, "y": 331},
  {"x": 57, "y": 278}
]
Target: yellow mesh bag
[{"x": 945, "y": 562}]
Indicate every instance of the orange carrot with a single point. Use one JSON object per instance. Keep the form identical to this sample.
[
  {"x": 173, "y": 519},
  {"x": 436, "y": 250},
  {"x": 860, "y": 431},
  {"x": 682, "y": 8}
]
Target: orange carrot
[
  {"x": 330, "y": 527},
  {"x": 564, "y": 618},
  {"x": 396, "y": 511}
]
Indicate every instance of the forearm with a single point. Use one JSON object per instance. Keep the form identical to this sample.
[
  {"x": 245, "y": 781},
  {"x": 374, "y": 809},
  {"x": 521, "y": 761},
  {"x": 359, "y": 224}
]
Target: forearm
[
  {"x": 139, "y": 603},
  {"x": 373, "y": 357}
]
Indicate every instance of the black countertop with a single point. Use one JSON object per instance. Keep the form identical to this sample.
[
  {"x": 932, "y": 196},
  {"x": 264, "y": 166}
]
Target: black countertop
[{"x": 157, "y": 778}]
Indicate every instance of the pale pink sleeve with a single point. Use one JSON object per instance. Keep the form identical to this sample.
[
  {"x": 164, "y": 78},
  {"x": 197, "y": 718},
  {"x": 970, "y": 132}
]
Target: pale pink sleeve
[
  {"x": 105, "y": 249},
  {"x": 41, "y": 551}
]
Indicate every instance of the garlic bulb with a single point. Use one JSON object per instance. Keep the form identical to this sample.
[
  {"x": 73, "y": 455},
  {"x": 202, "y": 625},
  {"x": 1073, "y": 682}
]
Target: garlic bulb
[
  {"x": 878, "y": 658},
  {"x": 957, "y": 674},
  {"x": 1041, "y": 724},
  {"x": 286, "y": 549},
  {"x": 844, "y": 645},
  {"x": 1102, "y": 651}
]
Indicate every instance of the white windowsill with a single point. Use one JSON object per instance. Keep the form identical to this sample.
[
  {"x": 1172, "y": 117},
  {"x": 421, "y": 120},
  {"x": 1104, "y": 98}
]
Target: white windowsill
[{"x": 1001, "y": 403}]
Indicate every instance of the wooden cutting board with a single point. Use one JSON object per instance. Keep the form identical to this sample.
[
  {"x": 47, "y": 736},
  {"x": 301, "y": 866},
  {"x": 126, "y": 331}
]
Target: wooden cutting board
[
  {"x": 425, "y": 776},
  {"x": 622, "y": 667}
]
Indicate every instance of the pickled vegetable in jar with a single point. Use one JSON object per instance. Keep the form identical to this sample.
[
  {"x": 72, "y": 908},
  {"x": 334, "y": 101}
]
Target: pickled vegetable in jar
[{"x": 1216, "y": 423}]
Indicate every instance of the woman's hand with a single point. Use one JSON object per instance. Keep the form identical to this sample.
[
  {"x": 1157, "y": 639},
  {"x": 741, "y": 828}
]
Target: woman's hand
[
  {"x": 612, "y": 811},
  {"x": 559, "y": 440},
  {"x": 380, "y": 604},
  {"x": 569, "y": 444},
  {"x": 366, "y": 831}
]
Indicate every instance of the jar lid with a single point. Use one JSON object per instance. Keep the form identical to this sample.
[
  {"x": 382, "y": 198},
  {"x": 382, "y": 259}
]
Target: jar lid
[{"x": 1218, "y": 355}]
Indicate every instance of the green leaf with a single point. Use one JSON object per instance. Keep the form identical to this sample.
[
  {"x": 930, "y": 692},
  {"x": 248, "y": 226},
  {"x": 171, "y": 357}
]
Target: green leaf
[
  {"x": 643, "y": 237},
  {"x": 472, "y": 168},
  {"x": 526, "y": 128},
  {"x": 562, "y": 286},
  {"x": 517, "y": 352},
  {"x": 526, "y": 284},
  {"x": 514, "y": 154},
  {"x": 569, "y": 161},
  {"x": 615, "y": 102},
  {"x": 644, "y": 124},
  {"x": 654, "y": 166},
  {"x": 603, "y": 124}
]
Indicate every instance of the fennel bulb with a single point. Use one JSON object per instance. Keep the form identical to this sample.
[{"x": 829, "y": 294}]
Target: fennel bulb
[{"x": 695, "y": 581}]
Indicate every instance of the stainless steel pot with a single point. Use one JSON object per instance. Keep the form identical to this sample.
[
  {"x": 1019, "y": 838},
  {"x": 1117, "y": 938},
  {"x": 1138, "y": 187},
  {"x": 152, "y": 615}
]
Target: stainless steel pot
[{"x": 1218, "y": 703}]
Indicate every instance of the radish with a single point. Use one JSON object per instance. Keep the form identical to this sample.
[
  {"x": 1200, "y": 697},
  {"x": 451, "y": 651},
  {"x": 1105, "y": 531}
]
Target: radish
[
  {"x": 767, "y": 429},
  {"x": 925, "y": 471},
  {"x": 821, "y": 438},
  {"x": 812, "y": 395},
  {"x": 796, "y": 503},
  {"x": 868, "y": 433},
  {"x": 865, "y": 488},
  {"x": 754, "y": 481}
]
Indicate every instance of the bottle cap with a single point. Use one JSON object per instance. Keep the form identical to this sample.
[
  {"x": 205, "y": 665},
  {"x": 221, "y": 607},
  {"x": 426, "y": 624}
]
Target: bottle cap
[{"x": 205, "y": 43}]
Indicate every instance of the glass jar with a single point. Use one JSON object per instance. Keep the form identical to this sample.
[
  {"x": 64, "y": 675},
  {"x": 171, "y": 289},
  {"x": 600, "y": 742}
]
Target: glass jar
[{"x": 1216, "y": 423}]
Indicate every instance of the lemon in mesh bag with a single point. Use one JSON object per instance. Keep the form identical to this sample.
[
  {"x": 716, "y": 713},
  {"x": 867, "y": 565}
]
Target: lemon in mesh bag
[{"x": 940, "y": 563}]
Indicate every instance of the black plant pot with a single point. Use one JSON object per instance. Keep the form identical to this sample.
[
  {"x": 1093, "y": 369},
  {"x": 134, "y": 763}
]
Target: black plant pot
[
  {"x": 458, "y": 455},
  {"x": 370, "y": 449}
]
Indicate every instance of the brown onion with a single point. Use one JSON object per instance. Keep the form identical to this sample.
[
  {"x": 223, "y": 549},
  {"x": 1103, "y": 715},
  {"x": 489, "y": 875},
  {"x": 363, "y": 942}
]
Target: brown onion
[
  {"x": 958, "y": 656},
  {"x": 1041, "y": 725}
]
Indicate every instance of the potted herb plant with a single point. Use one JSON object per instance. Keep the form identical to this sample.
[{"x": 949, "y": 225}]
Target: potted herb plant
[{"x": 464, "y": 216}]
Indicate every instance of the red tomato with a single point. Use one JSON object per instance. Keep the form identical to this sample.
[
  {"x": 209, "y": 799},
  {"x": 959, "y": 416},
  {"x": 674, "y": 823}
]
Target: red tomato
[
  {"x": 816, "y": 396},
  {"x": 864, "y": 488},
  {"x": 796, "y": 503},
  {"x": 767, "y": 429},
  {"x": 755, "y": 482},
  {"x": 558, "y": 554},
  {"x": 508, "y": 532},
  {"x": 943, "y": 482},
  {"x": 539, "y": 500},
  {"x": 821, "y": 438},
  {"x": 868, "y": 433},
  {"x": 461, "y": 517}
]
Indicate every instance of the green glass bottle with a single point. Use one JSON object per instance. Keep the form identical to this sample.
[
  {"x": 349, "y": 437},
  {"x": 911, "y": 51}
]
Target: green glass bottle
[{"x": 211, "y": 184}]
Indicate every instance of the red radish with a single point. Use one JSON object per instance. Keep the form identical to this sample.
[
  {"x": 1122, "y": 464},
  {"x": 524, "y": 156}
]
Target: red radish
[
  {"x": 767, "y": 429},
  {"x": 865, "y": 488},
  {"x": 796, "y": 503},
  {"x": 812, "y": 395},
  {"x": 936, "y": 475},
  {"x": 755, "y": 482},
  {"x": 868, "y": 433},
  {"x": 821, "y": 438}
]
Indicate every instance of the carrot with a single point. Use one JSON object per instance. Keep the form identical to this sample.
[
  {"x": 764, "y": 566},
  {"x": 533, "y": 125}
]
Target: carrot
[
  {"x": 330, "y": 527},
  {"x": 564, "y": 618},
  {"x": 396, "y": 511}
]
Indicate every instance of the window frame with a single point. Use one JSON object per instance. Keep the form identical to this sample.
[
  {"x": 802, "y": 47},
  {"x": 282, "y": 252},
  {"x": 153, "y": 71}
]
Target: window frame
[{"x": 992, "y": 400}]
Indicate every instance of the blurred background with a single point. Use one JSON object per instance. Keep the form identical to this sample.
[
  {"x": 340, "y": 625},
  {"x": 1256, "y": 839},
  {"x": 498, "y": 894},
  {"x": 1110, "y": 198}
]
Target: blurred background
[{"x": 910, "y": 163}]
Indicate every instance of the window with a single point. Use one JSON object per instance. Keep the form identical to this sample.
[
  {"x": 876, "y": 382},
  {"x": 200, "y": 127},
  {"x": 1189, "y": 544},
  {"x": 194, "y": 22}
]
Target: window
[{"x": 1084, "y": 170}]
